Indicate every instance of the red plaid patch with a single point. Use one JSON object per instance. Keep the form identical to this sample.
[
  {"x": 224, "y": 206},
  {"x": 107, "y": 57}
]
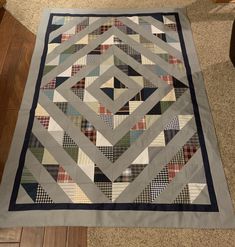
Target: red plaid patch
[
  {"x": 189, "y": 151},
  {"x": 63, "y": 176},
  {"x": 91, "y": 135},
  {"x": 104, "y": 48},
  {"x": 173, "y": 60},
  {"x": 76, "y": 68},
  {"x": 50, "y": 85},
  {"x": 173, "y": 169},
  {"x": 65, "y": 37},
  {"x": 141, "y": 125},
  {"x": 103, "y": 110},
  {"x": 44, "y": 120},
  {"x": 79, "y": 28},
  {"x": 167, "y": 78},
  {"x": 80, "y": 84}
]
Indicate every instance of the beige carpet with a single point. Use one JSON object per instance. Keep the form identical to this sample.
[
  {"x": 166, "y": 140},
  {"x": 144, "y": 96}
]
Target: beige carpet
[{"x": 211, "y": 24}]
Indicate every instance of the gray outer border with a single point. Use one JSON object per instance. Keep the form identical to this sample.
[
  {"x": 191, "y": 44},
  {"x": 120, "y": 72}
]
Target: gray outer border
[{"x": 223, "y": 219}]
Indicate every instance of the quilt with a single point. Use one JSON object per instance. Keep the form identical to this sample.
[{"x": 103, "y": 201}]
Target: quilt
[{"x": 115, "y": 128}]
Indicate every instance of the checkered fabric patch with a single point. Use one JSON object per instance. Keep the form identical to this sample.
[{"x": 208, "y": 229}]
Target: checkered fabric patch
[
  {"x": 106, "y": 188},
  {"x": 68, "y": 141},
  {"x": 42, "y": 196},
  {"x": 44, "y": 121},
  {"x": 183, "y": 197}
]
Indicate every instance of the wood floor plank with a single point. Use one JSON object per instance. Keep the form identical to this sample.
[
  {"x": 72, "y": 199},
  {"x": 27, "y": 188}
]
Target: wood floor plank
[
  {"x": 55, "y": 237},
  {"x": 32, "y": 236},
  {"x": 7, "y": 130},
  {"x": 9, "y": 245},
  {"x": 7, "y": 27},
  {"x": 20, "y": 75},
  {"x": 77, "y": 237},
  {"x": 10, "y": 235}
]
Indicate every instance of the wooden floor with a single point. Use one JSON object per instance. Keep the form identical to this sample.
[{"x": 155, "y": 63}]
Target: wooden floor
[{"x": 16, "y": 47}]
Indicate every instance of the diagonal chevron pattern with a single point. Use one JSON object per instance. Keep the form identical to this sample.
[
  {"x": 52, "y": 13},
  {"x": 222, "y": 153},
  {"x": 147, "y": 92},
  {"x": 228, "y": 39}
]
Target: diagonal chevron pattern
[{"x": 113, "y": 98}]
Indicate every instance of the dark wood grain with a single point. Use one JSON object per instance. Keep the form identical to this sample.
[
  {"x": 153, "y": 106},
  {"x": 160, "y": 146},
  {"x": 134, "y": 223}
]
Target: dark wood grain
[{"x": 7, "y": 28}]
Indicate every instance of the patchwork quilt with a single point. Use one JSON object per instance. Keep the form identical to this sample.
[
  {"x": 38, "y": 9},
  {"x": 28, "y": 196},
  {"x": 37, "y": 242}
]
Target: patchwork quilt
[{"x": 114, "y": 127}]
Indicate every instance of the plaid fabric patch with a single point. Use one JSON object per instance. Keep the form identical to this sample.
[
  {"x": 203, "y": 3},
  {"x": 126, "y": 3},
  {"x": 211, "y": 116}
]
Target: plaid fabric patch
[
  {"x": 161, "y": 36},
  {"x": 34, "y": 142},
  {"x": 91, "y": 135},
  {"x": 194, "y": 141},
  {"x": 52, "y": 170},
  {"x": 44, "y": 121},
  {"x": 68, "y": 141},
  {"x": 42, "y": 196},
  {"x": 173, "y": 169},
  {"x": 179, "y": 92},
  {"x": 50, "y": 85},
  {"x": 172, "y": 26},
  {"x": 118, "y": 151},
  {"x": 82, "y": 25},
  {"x": 189, "y": 151},
  {"x": 167, "y": 78},
  {"x": 104, "y": 48},
  {"x": 75, "y": 69},
  {"x": 65, "y": 37},
  {"x": 173, "y": 60},
  {"x": 79, "y": 92},
  {"x": 86, "y": 126},
  {"x": 124, "y": 110},
  {"x": 148, "y": 84},
  {"x": 128, "y": 49},
  {"x": 141, "y": 125},
  {"x": 63, "y": 176},
  {"x": 63, "y": 106},
  {"x": 104, "y": 111},
  {"x": 123, "y": 68},
  {"x": 136, "y": 169},
  {"x": 80, "y": 84},
  {"x": 183, "y": 197},
  {"x": 178, "y": 158},
  {"x": 169, "y": 134},
  {"x": 126, "y": 176}
]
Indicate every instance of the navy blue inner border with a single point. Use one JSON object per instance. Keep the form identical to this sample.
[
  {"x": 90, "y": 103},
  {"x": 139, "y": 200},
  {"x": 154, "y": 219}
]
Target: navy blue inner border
[{"x": 213, "y": 207}]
